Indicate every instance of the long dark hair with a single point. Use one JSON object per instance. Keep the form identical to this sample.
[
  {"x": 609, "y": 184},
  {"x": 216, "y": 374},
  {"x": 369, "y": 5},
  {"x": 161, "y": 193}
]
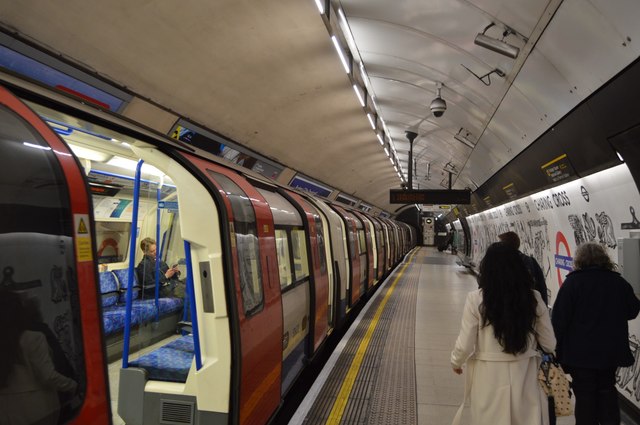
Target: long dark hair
[{"x": 508, "y": 303}]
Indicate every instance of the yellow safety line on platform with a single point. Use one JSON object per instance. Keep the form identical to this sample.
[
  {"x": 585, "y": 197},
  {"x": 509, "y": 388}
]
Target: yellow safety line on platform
[{"x": 343, "y": 396}]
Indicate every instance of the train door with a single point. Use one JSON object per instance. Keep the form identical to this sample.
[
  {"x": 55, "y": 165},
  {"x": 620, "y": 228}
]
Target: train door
[
  {"x": 381, "y": 247},
  {"x": 49, "y": 303},
  {"x": 320, "y": 298},
  {"x": 353, "y": 250},
  {"x": 251, "y": 237},
  {"x": 294, "y": 272},
  {"x": 370, "y": 248},
  {"x": 393, "y": 242},
  {"x": 339, "y": 260}
]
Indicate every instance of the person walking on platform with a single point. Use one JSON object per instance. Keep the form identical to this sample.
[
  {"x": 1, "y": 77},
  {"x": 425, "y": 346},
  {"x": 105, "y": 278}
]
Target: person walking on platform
[
  {"x": 590, "y": 318},
  {"x": 503, "y": 322},
  {"x": 539, "y": 284}
]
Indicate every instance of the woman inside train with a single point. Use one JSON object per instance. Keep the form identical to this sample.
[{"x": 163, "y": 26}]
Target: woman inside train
[
  {"x": 146, "y": 271},
  {"x": 503, "y": 322}
]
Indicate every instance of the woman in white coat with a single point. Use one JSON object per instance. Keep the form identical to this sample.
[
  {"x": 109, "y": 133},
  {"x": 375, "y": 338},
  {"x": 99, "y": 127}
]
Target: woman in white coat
[{"x": 502, "y": 324}]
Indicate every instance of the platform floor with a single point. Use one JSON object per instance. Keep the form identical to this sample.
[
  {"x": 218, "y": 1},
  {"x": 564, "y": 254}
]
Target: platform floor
[{"x": 404, "y": 338}]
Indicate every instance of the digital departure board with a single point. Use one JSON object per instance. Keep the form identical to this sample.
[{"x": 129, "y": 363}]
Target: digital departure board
[{"x": 433, "y": 196}]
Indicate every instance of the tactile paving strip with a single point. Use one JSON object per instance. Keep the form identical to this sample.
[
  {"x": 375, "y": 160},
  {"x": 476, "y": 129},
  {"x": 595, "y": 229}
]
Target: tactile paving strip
[{"x": 385, "y": 390}]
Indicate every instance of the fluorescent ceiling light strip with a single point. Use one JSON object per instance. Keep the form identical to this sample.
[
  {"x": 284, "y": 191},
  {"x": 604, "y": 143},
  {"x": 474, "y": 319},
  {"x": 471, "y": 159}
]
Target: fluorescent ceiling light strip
[
  {"x": 341, "y": 15},
  {"x": 396, "y": 168},
  {"x": 386, "y": 151},
  {"x": 320, "y": 5},
  {"x": 373, "y": 101},
  {"x": 357, "y": 90},
  {"x": 391, "y": 160},
  {"x": 373, "y": 124},
  {"x": 380, "y": 138},
  {"x": 343, "y": 59}
]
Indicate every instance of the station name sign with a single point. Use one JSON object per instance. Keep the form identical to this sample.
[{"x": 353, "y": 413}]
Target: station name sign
[{"x": 429, "y": 196}]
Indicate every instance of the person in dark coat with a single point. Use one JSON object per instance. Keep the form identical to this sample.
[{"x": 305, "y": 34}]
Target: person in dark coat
[
  {"x": 590, "y": 318},
  {"x": 513, "y": 240},
  {"x": 146, "y": 271}
]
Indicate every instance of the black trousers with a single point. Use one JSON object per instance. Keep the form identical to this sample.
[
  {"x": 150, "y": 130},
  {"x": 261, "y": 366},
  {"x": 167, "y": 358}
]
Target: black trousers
[{"x": 596, "y": 396}]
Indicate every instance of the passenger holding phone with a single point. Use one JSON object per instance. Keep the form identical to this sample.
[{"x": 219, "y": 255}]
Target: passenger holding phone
[{"x": 146, "y": 270}]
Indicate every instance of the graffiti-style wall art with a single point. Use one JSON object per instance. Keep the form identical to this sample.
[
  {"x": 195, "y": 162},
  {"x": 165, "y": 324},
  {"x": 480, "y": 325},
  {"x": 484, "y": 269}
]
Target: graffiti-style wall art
[{"x": 552, "y": 223}]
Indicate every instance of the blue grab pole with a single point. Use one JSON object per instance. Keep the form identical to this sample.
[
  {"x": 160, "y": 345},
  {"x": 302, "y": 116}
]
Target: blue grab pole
[
  {"x": 192, "y": 305},
  {"x": 132, "y": 259},
  {"x": 158, "y": 253}
]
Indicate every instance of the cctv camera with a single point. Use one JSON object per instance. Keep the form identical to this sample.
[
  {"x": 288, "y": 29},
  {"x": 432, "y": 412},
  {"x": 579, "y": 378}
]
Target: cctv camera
[{"x": 438, "y": 106}]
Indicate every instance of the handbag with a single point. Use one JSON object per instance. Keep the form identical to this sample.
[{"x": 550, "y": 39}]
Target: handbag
[{"x": 554, "y": 383}]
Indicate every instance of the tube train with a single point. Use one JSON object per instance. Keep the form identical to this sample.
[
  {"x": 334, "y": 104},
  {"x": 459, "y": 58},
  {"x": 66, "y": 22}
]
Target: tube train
[{"x": 268, "y": 272}]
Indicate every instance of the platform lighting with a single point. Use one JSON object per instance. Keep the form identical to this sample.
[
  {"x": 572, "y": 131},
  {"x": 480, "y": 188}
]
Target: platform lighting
[
  {"x": 396, "y": 168},
  {"x": 343, "y": 58},
  {"x": 363, "y": 74},
  {"x": 360, "y": 98},
  {"x": 386, "y": 151},
  {"x": 620, "y": 156},
  {"x": 371, "y": 120},
  {"x": 320, "y": 5},
  {"x": 373, "y": 102},
  {"x": 498, "y": 46},
  {"x": 391, "y": 159},
  {"x": 380, "y": 139},
  {"x": 341, "y": 15}
]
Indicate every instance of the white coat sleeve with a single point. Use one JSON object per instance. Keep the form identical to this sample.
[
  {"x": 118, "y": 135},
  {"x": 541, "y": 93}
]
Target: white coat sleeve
[
  {"x": 544, "y": 330},
  {"x": 36, "y": 350},
  {"x": 468, "y": 336}
]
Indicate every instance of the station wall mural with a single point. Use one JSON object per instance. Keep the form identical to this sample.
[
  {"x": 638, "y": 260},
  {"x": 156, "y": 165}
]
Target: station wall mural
[{"x": 552, "y": 223}]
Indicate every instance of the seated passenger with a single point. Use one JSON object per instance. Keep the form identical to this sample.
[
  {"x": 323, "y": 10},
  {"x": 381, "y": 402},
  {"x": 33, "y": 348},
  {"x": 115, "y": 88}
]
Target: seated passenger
[{"x": 147, "y": 268}]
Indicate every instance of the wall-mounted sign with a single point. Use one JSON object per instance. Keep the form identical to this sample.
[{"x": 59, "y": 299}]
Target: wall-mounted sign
[
  {"x": 558, "y": 169},
  {"x": 402, "y": 196}
]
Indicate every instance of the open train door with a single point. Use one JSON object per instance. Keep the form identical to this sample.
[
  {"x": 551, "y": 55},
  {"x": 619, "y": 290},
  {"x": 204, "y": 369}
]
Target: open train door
[{"x": 48, "y": 292}]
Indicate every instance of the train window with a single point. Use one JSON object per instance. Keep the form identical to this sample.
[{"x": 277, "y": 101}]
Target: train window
[
  {"x": 284, "y": 262},
  {"x": 321, "y": 246},
  {"x": 363, "y": 241},
  {"x": 39, "y": 301},
  {"x": 112, "y": 239},
  {"x": 352, "y": 246},
  {"x": 300, "y": 260},
  {"x": 246, "y": 235}
]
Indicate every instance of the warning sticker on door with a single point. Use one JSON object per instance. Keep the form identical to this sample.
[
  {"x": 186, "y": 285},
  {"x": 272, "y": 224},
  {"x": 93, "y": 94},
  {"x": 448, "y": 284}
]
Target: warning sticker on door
[{"x": 82, "y": 237}]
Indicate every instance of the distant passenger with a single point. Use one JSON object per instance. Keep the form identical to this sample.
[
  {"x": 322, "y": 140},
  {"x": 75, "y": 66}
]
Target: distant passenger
[
  {"x": 512, "y": 239},
  {"x": 503, "y": 322},
  {"x": 29, "y": 382},
  {"x": 146, "y": 271},
  {"x": 590, "y": 318}
]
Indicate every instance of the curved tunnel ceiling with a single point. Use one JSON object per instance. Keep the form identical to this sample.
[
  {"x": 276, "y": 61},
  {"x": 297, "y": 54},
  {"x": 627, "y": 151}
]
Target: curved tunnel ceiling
[{"x": 266, "y": 75}]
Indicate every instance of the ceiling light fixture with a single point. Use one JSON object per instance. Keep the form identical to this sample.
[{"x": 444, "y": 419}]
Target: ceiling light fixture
[
  {"x": 380, "y": 139},
  {"x": 360, "y": 98},
  {"x": 343, "y": 58},
  {"x": 371, "y": 120},
  {"x": 498, "y": 46}
]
